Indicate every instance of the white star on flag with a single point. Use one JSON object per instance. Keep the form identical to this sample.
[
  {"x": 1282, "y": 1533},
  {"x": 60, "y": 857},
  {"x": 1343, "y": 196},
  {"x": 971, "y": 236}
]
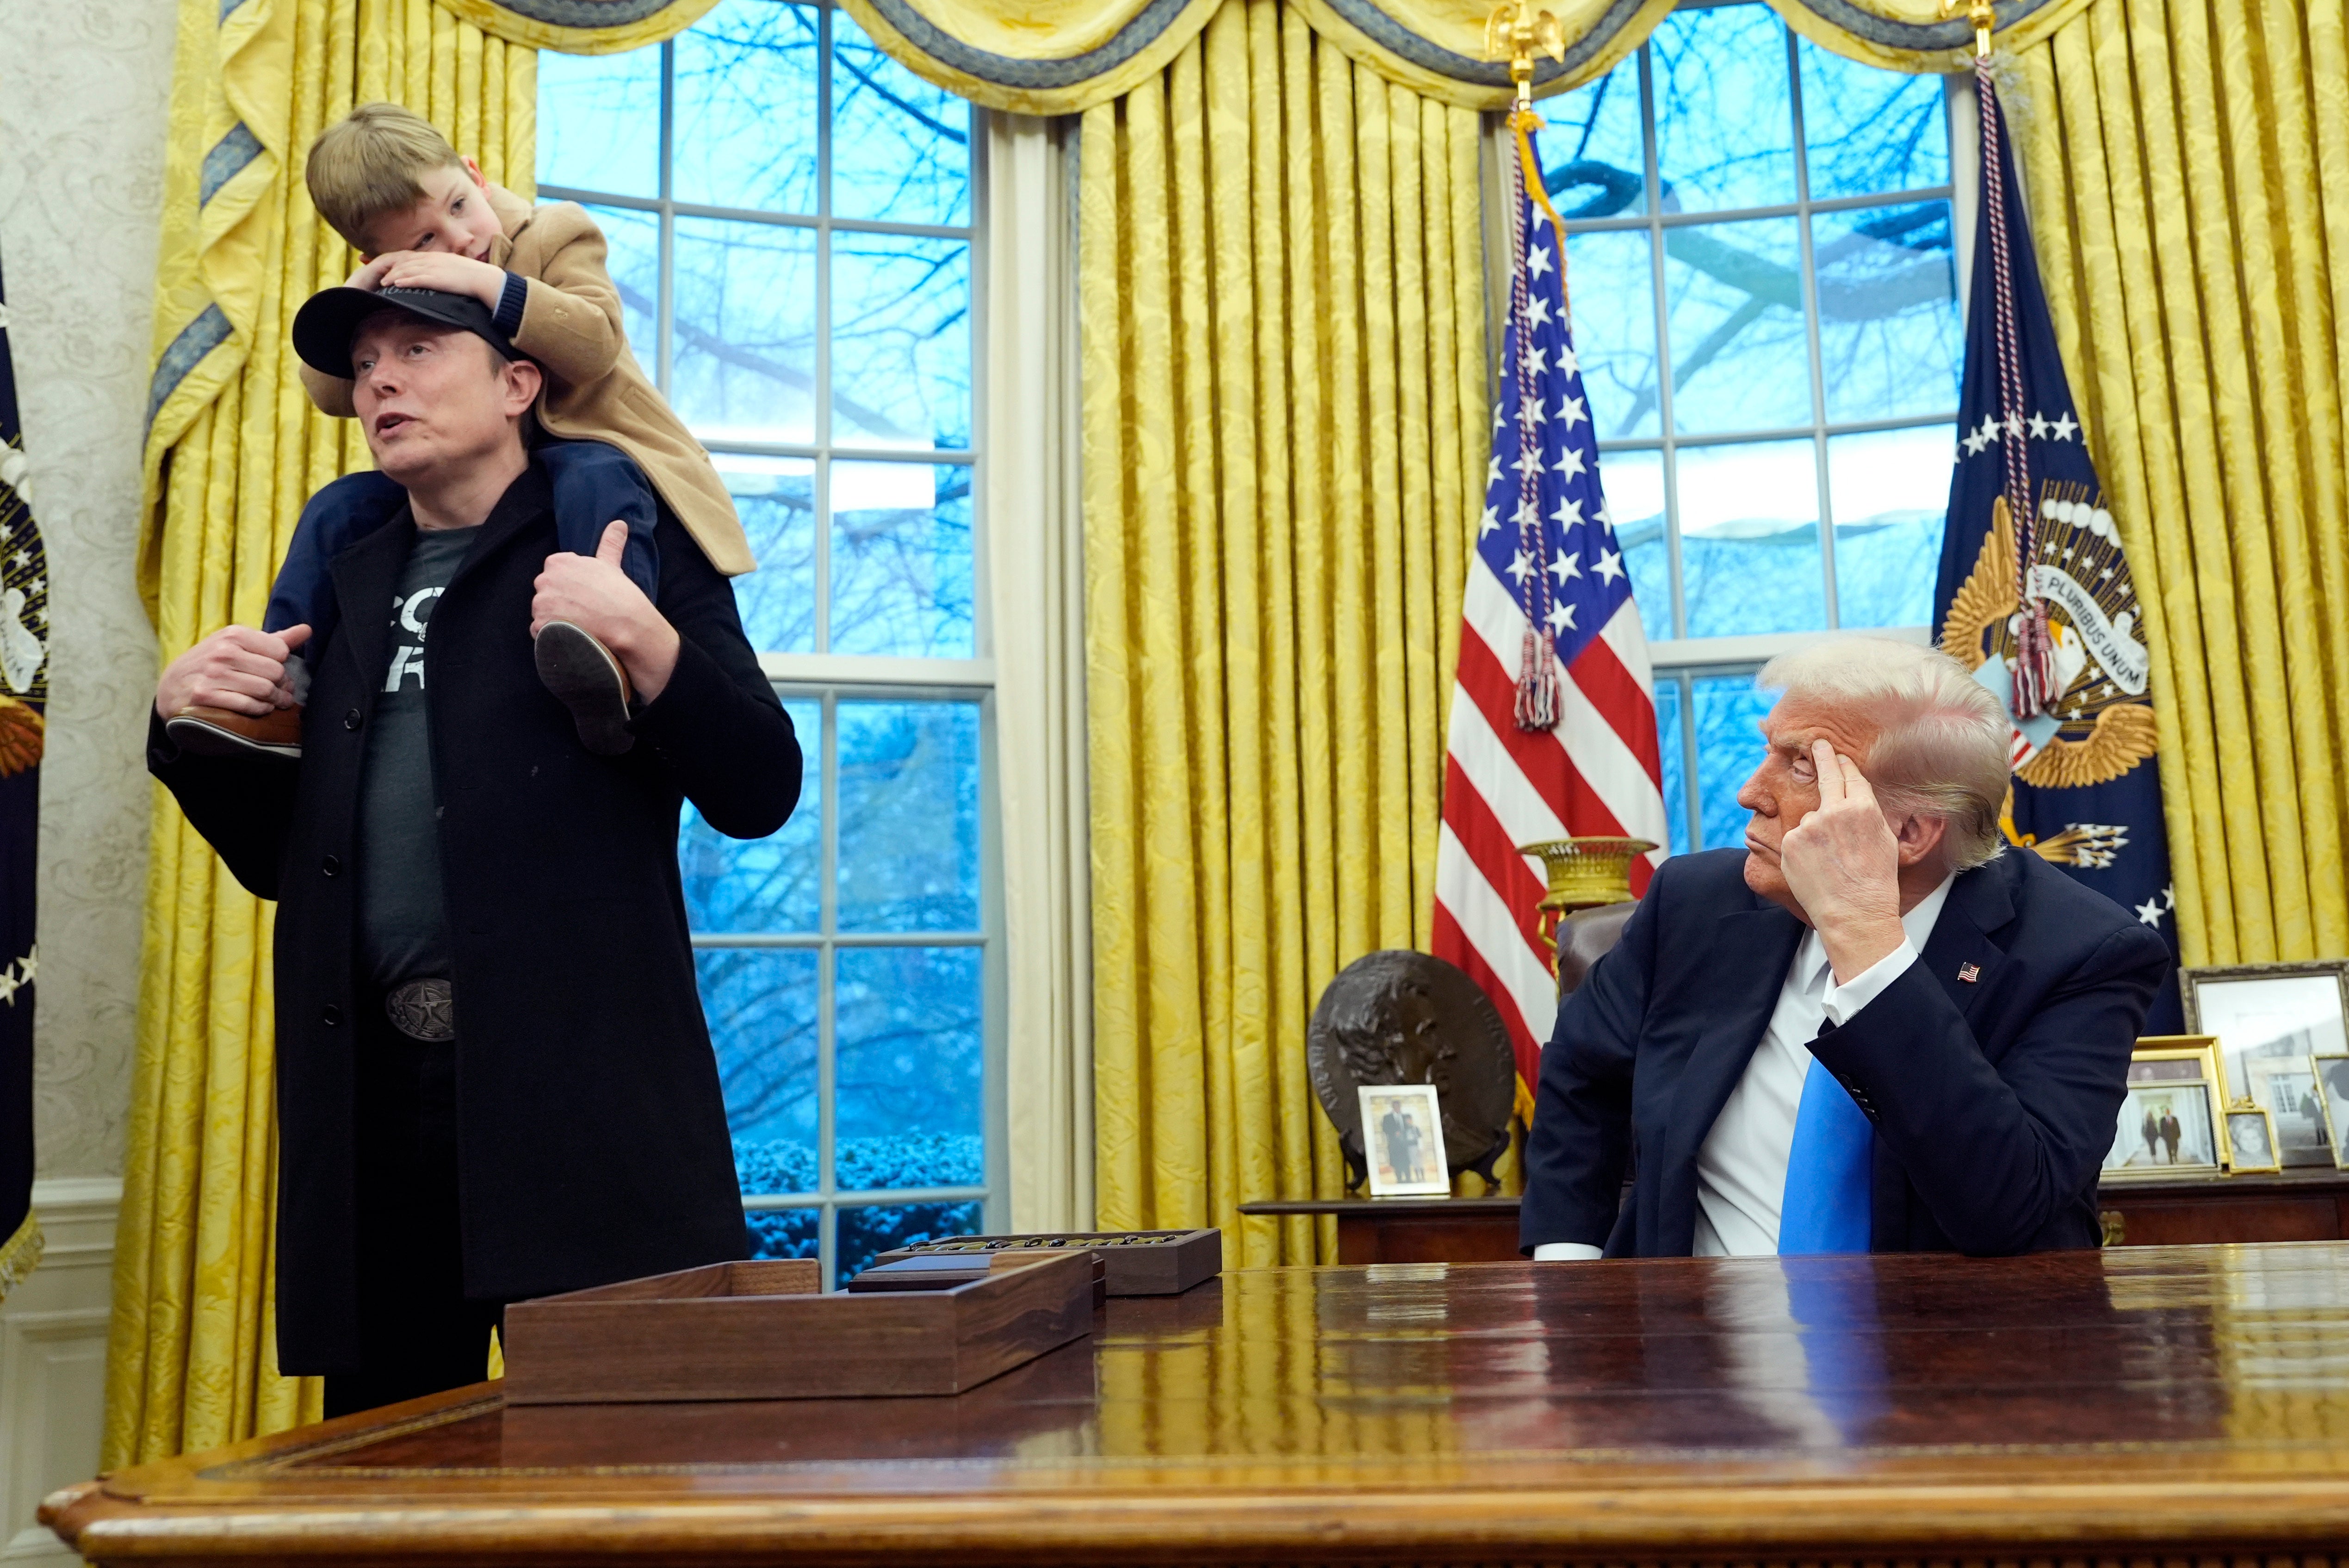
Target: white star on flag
[
  {"x": 1569, "y": 513},
  {"x": 1489, "y": 522},
  {"x": 1537, "y": 312},
  {"x": 1571, "y": 410},
  {"x": 1564, "y": 565},
  {"x": 1560, "y": 617},
  {"x": 2063, "y": 427},
  {"x": 1570, "y": 461},
  {"x": 1522, "y": 567},
  {"x": 1609, "y": 565},
  {"x": 1537, "y": 259}
]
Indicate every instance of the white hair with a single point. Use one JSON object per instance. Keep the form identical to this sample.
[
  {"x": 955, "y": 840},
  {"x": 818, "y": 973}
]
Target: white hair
[{"x": 1942, "y": 737}]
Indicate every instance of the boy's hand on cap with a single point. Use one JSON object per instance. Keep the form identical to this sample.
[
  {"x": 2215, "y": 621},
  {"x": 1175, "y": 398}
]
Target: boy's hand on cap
[
  {"x": 370, "y": 276},
  {"x": 443, "y": 271}
]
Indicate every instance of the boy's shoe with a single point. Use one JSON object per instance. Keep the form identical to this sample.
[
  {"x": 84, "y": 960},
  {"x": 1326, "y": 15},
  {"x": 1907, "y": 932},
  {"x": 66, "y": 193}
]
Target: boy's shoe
[
  {"x": 587, "y": 678},
  {"x": 217, "y": 732}
]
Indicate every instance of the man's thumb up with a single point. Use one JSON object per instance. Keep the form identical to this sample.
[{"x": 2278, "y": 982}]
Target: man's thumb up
[{"x": 614, "y": 542}]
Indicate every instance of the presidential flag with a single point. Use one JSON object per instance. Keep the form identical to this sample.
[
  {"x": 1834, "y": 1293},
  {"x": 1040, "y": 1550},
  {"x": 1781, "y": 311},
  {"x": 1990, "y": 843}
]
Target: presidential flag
[
  {"x": 2035, "y": 594},
  {"x": 1553, "y": 731},
  {"x": 24, "y": 673}
]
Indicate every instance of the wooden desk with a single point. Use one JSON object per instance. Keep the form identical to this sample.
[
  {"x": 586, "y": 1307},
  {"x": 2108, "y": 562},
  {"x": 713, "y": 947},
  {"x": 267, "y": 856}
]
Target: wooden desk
[
  {"x": 2309, "y": 1205},
  {"x": 2183, "y": 1403}
]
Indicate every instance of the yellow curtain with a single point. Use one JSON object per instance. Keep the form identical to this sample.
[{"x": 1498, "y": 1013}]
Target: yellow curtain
[
  {"x": 233, "y": 447},
  {"x": 1064, "y": 57},
  {"x": 1283, "y": 340},
  {"x": 2188, "y": 167}
]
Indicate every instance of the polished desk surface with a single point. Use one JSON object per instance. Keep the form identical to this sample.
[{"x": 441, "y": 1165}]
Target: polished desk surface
[{"x": 2131, "y": 1404}]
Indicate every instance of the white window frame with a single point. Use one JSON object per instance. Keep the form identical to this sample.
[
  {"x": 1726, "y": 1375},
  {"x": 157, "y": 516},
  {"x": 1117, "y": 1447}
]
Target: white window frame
[
  {"x": 828, "y": 679},
  {"x": 1682, "y": 660}
]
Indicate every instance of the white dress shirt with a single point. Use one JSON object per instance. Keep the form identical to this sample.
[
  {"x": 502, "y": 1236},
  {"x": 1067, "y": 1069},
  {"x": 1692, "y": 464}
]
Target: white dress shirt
[{"x": 1741, "y": 1168}]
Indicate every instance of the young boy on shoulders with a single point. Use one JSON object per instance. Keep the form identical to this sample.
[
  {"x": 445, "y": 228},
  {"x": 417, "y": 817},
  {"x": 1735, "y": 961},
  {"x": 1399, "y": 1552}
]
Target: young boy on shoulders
[{"x": 422, "y": 217}]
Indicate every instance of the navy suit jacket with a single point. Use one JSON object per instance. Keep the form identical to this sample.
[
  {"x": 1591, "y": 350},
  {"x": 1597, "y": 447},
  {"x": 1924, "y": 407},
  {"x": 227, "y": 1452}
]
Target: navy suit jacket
[{"x": 1993, "y": 1099}]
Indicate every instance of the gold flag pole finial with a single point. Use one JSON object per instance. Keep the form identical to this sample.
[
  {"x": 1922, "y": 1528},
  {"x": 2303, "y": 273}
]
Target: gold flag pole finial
[
  {"x": 1513, "y": 33},
  {"x": 1983, "y": 14}
]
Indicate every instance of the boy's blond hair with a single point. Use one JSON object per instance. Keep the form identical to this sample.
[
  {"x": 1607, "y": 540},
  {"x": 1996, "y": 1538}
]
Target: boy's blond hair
[{"x": 371, "y": 163}]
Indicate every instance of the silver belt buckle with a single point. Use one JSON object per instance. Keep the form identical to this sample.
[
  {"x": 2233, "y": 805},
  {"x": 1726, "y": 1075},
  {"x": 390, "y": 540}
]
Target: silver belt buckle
[{"x": 423, "y": 1010}]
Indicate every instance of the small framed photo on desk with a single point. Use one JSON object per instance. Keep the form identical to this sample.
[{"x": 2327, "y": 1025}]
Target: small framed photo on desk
[
  {"x": 2332, "y": 1070},
  {"x": 2250, "y": 1139},
  {"x": 1402, "y": 1134},
  {"x": 2270, "y": 1019},
  {"x": 2169, "y": 1119}
]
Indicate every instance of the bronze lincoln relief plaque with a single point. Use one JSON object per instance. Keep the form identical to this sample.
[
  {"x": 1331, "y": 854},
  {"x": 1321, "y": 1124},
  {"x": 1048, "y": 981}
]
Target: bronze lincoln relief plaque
[{"x": 1401, "y": 1017}]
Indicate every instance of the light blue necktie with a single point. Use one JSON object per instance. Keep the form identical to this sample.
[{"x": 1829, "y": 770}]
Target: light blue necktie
[{"x": 1830, "y": 1189}]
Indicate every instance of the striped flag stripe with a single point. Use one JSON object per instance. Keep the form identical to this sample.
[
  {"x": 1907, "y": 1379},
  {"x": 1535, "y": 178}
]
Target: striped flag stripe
[
  {"x": 1524, "y": 981},
  {"x": 1495, "y": 856}
]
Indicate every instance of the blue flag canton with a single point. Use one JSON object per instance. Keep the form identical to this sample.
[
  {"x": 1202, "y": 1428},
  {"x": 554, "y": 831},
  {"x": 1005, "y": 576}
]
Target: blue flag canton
[{"x": 1552, "y": 542}]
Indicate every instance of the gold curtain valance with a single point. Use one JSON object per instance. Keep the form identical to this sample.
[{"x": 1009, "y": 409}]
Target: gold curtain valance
[
  {"x": 580, "y": 26},
  {"x": 1067, "y": 57}
]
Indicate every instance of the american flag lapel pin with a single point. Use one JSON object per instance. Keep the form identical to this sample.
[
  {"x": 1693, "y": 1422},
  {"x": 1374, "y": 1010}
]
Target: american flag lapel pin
[{"x": 1969, "y": 973}]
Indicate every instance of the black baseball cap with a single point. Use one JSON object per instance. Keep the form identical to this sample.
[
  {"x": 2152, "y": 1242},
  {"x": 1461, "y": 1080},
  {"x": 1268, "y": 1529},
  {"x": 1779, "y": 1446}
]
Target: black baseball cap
[{"x": 324, "y": 326}]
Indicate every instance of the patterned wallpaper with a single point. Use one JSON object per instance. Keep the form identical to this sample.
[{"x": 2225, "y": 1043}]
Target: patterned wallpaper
[{"x": 83, "y": 88}]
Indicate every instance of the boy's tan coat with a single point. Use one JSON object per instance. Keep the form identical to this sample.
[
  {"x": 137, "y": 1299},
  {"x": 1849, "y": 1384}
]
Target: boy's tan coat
[{"x": 596, "y": 391}]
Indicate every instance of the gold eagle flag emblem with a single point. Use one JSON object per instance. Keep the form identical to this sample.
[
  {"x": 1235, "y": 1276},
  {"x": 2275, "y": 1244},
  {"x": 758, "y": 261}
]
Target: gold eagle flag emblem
[{"x": 2105, "y": 719}]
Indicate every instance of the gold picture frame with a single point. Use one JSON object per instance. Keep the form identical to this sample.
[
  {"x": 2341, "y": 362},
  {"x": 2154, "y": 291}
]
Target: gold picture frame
[
  {"x": 2332, "y": 1070},
  {"x": 2250, "y": 1128},
  {"x": 2169, "y": 1124},
  {"x": 2269, "y": 1019}
]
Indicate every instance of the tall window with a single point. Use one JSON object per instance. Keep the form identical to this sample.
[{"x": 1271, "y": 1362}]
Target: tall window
[
  {"x": 1765, "y": 304},
  {"x": 792, "y": 218}
]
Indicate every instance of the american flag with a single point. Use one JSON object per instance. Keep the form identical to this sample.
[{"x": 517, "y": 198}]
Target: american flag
[{"x": 1553, "y": 731}]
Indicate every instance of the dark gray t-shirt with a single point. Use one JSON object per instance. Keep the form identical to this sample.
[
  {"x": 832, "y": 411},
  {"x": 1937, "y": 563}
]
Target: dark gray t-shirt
[{"x": 403, "y": 928}]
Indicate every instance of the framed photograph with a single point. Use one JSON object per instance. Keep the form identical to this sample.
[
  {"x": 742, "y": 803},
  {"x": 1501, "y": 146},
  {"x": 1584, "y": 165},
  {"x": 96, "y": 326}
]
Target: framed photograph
[
  {"x": 2169, "y": 1119},
  {"x": 2286, "y": 1011},
  {"x": 1402, "y": 1134},
  {"x": 2333, "y": 1093},
  {"x": 2286, "y": 1088},
  {"x": 2250, "y": 1139}
]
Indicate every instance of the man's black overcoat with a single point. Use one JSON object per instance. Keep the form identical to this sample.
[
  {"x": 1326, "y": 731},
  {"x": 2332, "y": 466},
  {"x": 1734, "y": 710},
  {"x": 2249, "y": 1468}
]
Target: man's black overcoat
[{"x": 593, "y": 1138}]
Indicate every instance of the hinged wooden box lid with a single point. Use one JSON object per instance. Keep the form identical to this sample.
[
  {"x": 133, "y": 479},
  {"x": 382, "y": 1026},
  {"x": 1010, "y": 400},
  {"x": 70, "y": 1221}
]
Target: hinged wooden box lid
[
  {"x": 761, "y": 1331},
  {"x": 1137, "y": 1263}
]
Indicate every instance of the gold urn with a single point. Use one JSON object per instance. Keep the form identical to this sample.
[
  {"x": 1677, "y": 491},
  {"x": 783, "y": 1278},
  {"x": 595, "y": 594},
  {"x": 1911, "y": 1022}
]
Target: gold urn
[{"x": 1584, "y": 873}]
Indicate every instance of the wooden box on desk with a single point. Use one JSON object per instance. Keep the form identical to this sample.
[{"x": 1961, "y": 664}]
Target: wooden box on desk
[
  {"x": 759, "y": 1331},
  {"x": 1134, "y": 1263}
]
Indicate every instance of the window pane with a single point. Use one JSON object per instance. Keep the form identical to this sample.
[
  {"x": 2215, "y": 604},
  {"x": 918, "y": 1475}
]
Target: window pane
[
  {"x": 1728, "y": 748},
  {"x": 1889, "y": 338},
  {"x": 909, "y": 816},
  {"x": 1674, "y": 747},
  {"x": 599, "y": 122},
  {"x": 736, "y": 885},
  {"x": 866, "y": 1231},
  {"x": 1866, "y": 131},
  {"x": 1592, "y": 158},
  {"x": 1891, "y": 491},
  {"x": 1741, "y": 358},
  {"x": 744, "y": 366},
  {"x": 908, "y": 1075},
  {"x": 901, "y": 148},
  {"x": 746, "y": 107},
  {"x": 632, "y": 254},
  {"x": 901, "y": 560},
  {"x": 900, "y": 342},
  {"x": 1611, "y": 296},
  {"x": 776, "y": 498},
  {"x": 1634, "y": 485},
  {"x": 1750, "y": 539},
  {"x": 761, "y": 1006},
  {"x": 783, "y": 1233},
  {"x": 1725, "y": 115}
]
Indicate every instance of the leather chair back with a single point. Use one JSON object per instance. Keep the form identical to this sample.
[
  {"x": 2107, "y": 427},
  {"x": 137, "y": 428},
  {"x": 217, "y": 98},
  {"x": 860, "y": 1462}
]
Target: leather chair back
[{"x": 1585, "y": 937}]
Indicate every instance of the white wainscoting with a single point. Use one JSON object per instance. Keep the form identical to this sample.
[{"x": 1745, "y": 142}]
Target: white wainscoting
[{"x": 53, "y": 1362}]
